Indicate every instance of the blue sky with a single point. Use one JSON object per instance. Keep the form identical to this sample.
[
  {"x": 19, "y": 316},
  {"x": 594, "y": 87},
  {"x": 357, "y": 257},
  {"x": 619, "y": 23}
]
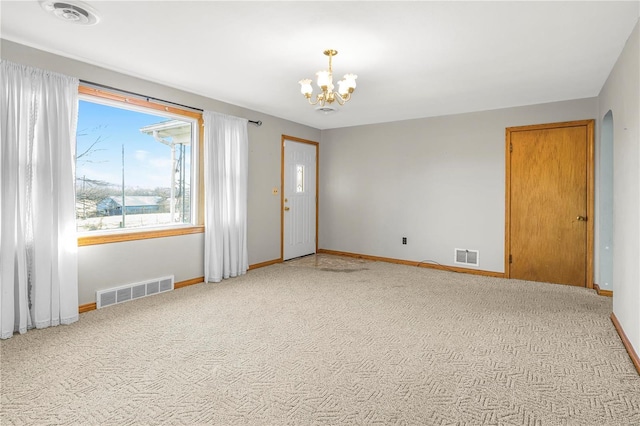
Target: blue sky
[{"x": 147, "y": 162}]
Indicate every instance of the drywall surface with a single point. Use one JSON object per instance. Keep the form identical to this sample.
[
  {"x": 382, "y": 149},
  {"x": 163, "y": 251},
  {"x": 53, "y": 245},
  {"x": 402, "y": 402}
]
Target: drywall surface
[
  {"x": 620, "y": 95},
  {"x": 603, "y": 263},
  {"x": 264, "y": 175},
  {"x": 110, "y": 265},
  {"x": 438, "y": 181}
]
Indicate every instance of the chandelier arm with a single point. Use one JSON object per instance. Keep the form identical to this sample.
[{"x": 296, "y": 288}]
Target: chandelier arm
[
  {"x": 321, "y": 98},
  {"x": 339, "y": 99}
]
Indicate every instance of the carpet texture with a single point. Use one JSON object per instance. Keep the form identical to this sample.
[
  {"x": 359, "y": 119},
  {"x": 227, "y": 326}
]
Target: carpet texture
[{"x": 327, "y": 340}]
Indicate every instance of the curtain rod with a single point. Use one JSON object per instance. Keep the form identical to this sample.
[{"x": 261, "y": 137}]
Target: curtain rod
[{"x": 258, "y": 123}]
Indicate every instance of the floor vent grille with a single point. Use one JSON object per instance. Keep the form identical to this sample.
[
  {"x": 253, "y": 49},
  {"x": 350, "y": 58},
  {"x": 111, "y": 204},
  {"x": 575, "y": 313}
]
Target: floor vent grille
[
  {"x": 467, "y": 257},
  {"x": 133, "y": 291}
]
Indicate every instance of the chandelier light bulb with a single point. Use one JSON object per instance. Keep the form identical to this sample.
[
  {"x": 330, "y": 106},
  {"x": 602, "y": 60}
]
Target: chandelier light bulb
[
  {"x": 350, "y": 79},
  {"x": 305, "y": 87},
  {"x": 342, "y": 88},
  {"x": 324, "y": 78}
]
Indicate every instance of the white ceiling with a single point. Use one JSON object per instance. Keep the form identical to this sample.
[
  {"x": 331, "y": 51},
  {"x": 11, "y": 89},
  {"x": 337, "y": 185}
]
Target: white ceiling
[{"x": 413, "y": 59}]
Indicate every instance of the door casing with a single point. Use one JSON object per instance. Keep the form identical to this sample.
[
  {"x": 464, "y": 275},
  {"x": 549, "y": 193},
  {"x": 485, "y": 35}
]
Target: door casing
[
  {"x": 282, "y": 185},
  {"x": 589, "y": 124}
]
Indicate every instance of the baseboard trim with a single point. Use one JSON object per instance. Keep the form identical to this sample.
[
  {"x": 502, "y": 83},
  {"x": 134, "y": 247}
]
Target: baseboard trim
[
  {"x": 87, "y": 307},
  {"x": 414, "y": 263},
  {"x": 263, "y": 264},
  {"x": 607, "y": 293},
  {"x": 627, "y": 344},
  {"x": 187, "y": 283}
]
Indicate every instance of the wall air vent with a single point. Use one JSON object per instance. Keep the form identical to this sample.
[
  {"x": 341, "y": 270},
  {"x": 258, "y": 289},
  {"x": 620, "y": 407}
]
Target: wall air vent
[
  {"x": 133, "y": 291},
  {"x": 71, "y": 11},
  {"x": 467, "y": 257}
]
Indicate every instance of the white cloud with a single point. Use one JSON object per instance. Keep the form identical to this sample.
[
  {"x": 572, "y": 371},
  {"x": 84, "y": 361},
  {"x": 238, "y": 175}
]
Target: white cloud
[
  {"x": 145, "y": 171},
  {"x": 161, "y": 163},
  {"x": 141, "y": 155}
]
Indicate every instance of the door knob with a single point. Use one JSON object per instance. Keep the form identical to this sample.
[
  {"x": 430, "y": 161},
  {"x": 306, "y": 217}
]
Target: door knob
[
  {"x": 581, "y": 219},
  {"x": 286, "y": 209}
]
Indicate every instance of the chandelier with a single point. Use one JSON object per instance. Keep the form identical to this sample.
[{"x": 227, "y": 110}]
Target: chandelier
[{"x": 346, "y": 86}]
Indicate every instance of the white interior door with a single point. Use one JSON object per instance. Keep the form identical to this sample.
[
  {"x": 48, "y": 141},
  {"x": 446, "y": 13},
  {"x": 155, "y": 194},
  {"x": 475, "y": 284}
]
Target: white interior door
[{"x": 299, "y": 199}]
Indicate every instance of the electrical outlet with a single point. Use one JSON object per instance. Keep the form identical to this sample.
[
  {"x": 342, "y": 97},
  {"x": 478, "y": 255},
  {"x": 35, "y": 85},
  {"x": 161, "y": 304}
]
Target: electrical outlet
[
  {"x": 404, "y": 240},
  {"x": 274, "y": 191}
]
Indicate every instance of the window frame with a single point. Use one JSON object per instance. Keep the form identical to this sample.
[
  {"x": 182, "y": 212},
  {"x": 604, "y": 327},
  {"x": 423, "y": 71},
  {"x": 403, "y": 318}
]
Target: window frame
[{"x": 112, "y": 236}]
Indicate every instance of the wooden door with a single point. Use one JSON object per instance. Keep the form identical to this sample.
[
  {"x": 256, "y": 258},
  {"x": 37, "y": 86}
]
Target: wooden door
[
  {"x": 299, "y": 196},
  {"x": 549, "y": 229}
]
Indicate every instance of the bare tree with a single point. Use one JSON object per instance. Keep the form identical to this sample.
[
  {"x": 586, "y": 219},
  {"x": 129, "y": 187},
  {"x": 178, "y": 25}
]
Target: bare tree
[
  {"x": 90, "y": 150},
  {"x": 89, "y": 192}
]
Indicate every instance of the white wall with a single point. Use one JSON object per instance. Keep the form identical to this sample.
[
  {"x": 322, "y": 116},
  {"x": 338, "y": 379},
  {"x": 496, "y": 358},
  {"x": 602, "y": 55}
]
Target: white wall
[
  {"x": 104, "y": 266},
  {"x": 621, "y": 95},
  {"x": 438, "y": 181},
  {"x": 109, "y": 265},
  {"x": 603, "y": 265}
]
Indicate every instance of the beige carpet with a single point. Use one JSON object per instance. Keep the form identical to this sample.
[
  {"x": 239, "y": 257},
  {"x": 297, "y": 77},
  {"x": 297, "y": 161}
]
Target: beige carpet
[{"x": 325, "y": 340}]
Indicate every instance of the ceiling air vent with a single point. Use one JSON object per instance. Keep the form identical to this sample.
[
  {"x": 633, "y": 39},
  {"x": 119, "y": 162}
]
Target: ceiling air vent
[
  {"x": 74, "y": 12},
  {"x": 327, "y": 108}
]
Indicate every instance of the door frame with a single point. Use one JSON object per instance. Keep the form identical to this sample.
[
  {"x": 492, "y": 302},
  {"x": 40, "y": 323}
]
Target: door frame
[
  {"x": 282, "y": 170},
  {"x": 589, "y": 124}
]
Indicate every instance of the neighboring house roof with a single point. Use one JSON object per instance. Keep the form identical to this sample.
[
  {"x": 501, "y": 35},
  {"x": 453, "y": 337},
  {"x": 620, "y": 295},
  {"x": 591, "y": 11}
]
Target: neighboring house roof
[
  {"x": 133, "y": 200},
  {"x": 170, "y": 132}
]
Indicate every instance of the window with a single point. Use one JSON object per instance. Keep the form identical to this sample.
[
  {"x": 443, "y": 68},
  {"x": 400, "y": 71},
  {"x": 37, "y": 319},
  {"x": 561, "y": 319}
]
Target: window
[
  {"x": 299, "y": 178},
  {"x": 136, "y": 165}
]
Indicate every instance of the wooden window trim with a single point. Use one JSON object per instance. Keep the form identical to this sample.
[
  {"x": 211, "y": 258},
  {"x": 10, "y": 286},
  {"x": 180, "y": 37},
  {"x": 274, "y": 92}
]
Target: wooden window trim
[
  {"x": 170, "y": 230},
  {"x": 104, "y": 94},
  {"x": 118, "y": 237}
]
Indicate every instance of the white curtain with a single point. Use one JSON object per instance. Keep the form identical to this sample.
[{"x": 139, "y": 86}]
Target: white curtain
[
  {"x": 226, "y": 169},
  {"x": 38, "y": 256}
]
